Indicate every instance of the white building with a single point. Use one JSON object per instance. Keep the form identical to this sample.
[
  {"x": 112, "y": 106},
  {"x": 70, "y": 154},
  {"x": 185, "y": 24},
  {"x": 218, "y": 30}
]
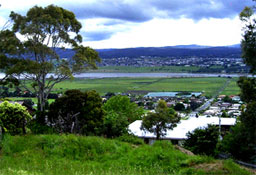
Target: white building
[{"x": 178, "y": 134}]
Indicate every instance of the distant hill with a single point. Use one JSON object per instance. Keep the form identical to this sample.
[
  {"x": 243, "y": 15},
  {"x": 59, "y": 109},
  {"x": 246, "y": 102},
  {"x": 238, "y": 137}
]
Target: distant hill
[{"x": 232, "y": 51}]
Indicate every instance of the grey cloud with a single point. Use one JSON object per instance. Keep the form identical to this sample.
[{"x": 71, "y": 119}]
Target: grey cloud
[
  {"x": 113, "y": 22},
  {"x": 144, "y": 10},
  {"x": 199, "y": 9},
  {"x": 112, "y": 10},
  {"x": 97, "y": 35}
]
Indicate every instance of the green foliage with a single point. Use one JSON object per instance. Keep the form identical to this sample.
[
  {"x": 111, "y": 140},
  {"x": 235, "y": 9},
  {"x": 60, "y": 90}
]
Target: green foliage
[
  {"x": 247, "y": 86},
  {"x": 243, "y": 135},
  {"x": 70, "y": 154},
  {"x": 179, "y": 107},
  {"x": 38, "y": 128},
  {"x": 13, "y": 118},
  {"x": 130, "y": 139},
  {"x": 248, "y": 42},
  {"x": 120, "y": 112},
  {"x": 227, "y": 99},
  {"x": 224, "y": 114},
  {"x": 202, "y": 141},
  {"x": 164, "y": 118},
  {"x": 77, "y": 112},
  {"x": 238, "y": 138},
  {"x": 44, "y": 30}
]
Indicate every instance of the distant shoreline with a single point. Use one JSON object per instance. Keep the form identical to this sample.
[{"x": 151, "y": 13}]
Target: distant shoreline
[
  {"x": 153, "y": 75},
  {"x": 159, "y": 75}
]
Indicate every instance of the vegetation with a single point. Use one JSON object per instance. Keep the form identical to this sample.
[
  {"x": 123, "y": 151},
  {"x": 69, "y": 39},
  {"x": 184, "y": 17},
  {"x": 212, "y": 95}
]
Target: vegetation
[
  {"x": 209, "y": 86},
  {"x": 13, "y": 118},
  {"x": 70, "y": 154},
  {"x": 159, "y": 121},
  {"x": 203, "y": 140},
  {"x": 43, "y": 31},
  {"x": 169, "y": 69},
  {"x": 243, "y": 134},
  {"x": 120, "y": 112},
  {"x": 77, "y": 112}
]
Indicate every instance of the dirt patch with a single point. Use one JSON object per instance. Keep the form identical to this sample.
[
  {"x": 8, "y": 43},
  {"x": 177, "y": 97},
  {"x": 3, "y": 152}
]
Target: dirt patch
[
  {"x": 212, "y": 167},
  {"x": 253, "y": 171},
  {"x": 183, "y": 150}
]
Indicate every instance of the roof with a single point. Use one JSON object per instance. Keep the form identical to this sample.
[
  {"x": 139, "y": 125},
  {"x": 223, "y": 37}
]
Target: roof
[{"x": 185, "y": 126}]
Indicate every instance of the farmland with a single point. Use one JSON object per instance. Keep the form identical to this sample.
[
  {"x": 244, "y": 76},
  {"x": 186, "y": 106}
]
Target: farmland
[{"x": 209, "y": 86}]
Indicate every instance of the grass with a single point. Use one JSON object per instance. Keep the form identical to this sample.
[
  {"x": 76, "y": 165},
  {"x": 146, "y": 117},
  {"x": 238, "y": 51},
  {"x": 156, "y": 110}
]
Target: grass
[
  {"x": 70, "y": 154},
  {"x": 232, "y": 88},
  {"x": 209, "y": 86}
]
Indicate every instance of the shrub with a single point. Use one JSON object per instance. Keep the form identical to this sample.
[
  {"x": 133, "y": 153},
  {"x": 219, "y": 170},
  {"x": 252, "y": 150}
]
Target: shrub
[
  {"x": 202, "y": 140},
  {"x": 13, "y": 118}
]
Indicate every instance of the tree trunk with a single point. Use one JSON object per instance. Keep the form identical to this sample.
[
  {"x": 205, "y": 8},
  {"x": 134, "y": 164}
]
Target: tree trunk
[
  {"x": 41, "y": 101},
  {"x": 157, "y": 133}
]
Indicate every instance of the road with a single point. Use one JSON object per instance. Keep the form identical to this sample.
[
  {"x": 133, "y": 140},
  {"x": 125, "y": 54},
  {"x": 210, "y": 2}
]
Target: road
[{"x": 208, "y": 102}]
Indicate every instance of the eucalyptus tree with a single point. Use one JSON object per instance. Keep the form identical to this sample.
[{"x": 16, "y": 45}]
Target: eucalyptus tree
[
  {"x": 243, "y": 134},
  {"x": 159, "y": 121},
  {"x": 42, "y": 31}
]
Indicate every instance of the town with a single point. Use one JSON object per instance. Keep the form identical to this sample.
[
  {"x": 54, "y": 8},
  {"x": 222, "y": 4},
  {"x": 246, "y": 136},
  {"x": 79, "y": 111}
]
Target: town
[{"x": 221, "y": 65}]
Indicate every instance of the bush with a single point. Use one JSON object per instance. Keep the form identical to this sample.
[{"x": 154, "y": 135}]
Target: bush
[
  {"x": 131, "y": 139},
  {"x": 120, "y": 112},
  {"x": 77, "y": 112},
  {"x": 202, "y": 141},
  {"x": 13, "y": 118}
]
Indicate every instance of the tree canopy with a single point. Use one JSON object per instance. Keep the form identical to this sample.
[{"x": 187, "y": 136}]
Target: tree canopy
[
  {"x": 77, "y": 112},
  {"x": 243, "y": 134},
  {"x": 120, "y": 112},
  {"x": 159, "y": 121},
  {"x": 202, "y": 140},
  {"x": 44, "y": 30}
]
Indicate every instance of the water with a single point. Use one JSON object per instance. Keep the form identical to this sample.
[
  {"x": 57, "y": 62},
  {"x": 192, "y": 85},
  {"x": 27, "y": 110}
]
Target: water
[
  {"x": 171, "y": 94},
  {"x": 146, "y": 75}
]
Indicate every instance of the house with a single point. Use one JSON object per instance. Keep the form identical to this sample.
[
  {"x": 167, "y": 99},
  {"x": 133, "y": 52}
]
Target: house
[
  {"x": 236, "y": 98},
  {"x": 178, "y": 134}
]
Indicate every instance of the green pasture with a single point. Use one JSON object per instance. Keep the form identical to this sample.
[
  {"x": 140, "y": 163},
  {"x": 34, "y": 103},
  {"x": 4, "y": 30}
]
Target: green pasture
[
  {"x": 209, "y": 86},
  {"x": 232, "y": 88}
]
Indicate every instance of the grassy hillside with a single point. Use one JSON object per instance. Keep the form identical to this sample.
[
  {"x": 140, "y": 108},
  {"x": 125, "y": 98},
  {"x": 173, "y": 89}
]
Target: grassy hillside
[{"x": 70, "y": 154}]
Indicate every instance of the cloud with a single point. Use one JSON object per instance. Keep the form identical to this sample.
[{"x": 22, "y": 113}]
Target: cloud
[
  {"x": 145, "y": 10},
  {"x": 96, "y": 35},
  {"x": 140, "y": 10},
  {"x": 111, "y": 9}
]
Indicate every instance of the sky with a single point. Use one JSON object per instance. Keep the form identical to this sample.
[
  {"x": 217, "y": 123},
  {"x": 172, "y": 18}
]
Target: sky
[{"x": 147, "y": 23}]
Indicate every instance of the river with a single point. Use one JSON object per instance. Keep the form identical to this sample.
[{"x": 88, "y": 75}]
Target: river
[{"x": 148, "y": 75}]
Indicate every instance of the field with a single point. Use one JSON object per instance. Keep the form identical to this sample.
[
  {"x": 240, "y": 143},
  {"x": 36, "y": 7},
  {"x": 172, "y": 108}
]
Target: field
[
  {"x": 210, "y": 86},
  {"x": 77, "y": 155}
]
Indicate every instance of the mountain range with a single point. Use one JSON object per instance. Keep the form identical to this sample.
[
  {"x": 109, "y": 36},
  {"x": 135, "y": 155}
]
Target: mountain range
[{"x": 179, "y": 51}]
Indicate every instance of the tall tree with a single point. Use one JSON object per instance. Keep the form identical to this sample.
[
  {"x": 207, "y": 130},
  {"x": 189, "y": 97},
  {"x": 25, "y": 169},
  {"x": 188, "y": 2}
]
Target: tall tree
[
  {"x": 10, "y": 49},
  {"x": 243, "y": 135},
  {"x": 159, "y": 121},
  {"x": 43, "y": 32}
]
